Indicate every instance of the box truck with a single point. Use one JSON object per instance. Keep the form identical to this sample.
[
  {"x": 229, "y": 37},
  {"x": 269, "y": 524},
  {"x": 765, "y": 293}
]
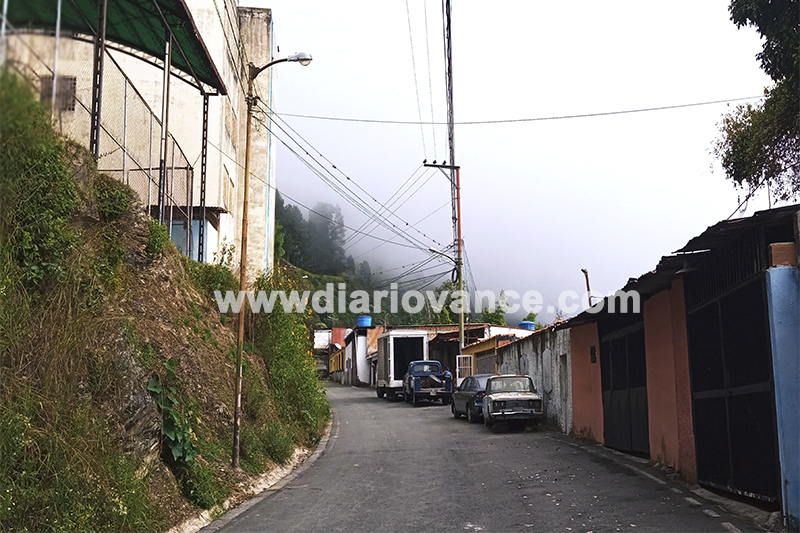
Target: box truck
[{"x": 396, "y": 349}]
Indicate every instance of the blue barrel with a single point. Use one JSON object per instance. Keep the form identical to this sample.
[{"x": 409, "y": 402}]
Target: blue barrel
[
  {"x": 365, "y": 321},
  {"x": 527, "y": 324}
]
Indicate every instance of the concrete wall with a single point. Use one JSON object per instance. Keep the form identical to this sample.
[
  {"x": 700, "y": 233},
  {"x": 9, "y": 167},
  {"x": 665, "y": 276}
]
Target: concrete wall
[
  {"x": 349, "y": 361},
  {"x": 545, "y": 357},
  {"x": 669, "y": 398},
  {"x": 783, "y": 297},
  {"x": 362, "y": 365},
  {"x": 486, "y": 363},
  {"x": 587, "y": 394}
]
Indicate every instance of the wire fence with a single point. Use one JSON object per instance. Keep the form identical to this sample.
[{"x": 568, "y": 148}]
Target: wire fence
[{"x": 130, "y": 136}]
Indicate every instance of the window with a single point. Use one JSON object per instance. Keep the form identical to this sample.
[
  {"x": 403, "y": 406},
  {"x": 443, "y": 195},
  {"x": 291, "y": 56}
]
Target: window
[{"x": 65, "y": 92}]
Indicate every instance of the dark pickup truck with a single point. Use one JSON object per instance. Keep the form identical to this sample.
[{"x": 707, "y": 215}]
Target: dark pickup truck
[{"x": 424, "y": 380}]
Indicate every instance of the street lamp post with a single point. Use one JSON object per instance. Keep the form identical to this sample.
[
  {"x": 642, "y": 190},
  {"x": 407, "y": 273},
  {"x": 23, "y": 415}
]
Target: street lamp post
[{"x": 252, "y": 72}]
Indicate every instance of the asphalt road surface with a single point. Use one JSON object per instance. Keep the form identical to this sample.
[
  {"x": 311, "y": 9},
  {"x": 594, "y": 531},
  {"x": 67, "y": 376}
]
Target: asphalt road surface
[{"x": 389, "y": 466}]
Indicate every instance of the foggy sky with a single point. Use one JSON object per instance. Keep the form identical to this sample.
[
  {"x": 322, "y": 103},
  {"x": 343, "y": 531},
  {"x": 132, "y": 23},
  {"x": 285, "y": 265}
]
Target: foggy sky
[{"x": 541, "y": 199}]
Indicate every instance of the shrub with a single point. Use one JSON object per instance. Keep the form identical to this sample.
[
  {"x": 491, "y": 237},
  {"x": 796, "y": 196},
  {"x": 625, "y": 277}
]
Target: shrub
[
  {"x": 113, "y": 198},
  {"x": 157, "y": 238},
  {"x": 201, "y": 487},
  {"x": 208, "y": 278},
  {"x": 260, "y": 446},
  {"x": 37, "y": 192}
]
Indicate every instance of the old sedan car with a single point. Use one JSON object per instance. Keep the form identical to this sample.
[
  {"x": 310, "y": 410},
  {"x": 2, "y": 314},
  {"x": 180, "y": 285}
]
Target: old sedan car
[
  {"x": 511, "y": 397},
  {"x": 468, "y": 398}
]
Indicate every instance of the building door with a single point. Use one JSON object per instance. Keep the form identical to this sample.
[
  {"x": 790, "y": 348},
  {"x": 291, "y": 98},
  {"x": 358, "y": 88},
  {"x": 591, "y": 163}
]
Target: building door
[
  {"x": 624, "y": 384},
  {"x": 730, "y": 358}
]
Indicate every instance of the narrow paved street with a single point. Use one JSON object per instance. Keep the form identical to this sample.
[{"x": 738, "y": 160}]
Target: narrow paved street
[{"x": 393, "y": 467}]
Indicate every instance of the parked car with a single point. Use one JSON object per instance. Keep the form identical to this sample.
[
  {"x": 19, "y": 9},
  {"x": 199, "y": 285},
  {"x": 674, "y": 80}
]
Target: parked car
[
  {"x": 511, "y": 397},
  {"x": 468, "y": 398}
]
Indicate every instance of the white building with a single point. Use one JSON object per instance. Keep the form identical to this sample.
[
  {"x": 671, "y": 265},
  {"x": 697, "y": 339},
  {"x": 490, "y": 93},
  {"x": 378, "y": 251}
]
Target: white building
[{"x": 131, "y": 97}]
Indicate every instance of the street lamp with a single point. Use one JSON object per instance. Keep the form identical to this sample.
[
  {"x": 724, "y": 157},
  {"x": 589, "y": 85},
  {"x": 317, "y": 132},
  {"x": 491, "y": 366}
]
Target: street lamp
[
  {"x": 252, "y": 72},
  {"x": 588, "y": 290}
]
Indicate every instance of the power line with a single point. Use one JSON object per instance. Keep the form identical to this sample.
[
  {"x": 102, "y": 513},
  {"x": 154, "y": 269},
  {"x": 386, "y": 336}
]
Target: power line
[
  {"x": 430, "y": 83},
  {"x": 416, "y": 85},
  {"x": 259, "y": 179},
  {"x": 417, "y": 222},
  {"x": 367, "y": 222},
  {"x": 345, "y": 192},
  {"x": 537, "y": 119},
  {"x": 394, "y": 211},
  {"x": 371, "y": 218},
  {"x": 354, "y": 199}
]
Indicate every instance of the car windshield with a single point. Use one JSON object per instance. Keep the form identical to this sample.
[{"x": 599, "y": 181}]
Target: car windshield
[
  {"x": 482, "y": 382},
  {"x": 420, "y": 368},
  {"x": 511, "y": 384}
]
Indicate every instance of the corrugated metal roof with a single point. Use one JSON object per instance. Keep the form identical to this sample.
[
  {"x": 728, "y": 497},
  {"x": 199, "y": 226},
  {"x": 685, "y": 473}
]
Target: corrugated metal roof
[
  {"x": 136, "y": 24},
  {"x": 695, "y": 251}
]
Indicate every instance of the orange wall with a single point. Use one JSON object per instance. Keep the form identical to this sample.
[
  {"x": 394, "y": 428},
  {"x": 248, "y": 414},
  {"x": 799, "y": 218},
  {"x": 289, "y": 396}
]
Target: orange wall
[
  {"x": 587, "y": 396},
  {"x": 668, "y": 389},
  {"x": 687, "y": 461}
]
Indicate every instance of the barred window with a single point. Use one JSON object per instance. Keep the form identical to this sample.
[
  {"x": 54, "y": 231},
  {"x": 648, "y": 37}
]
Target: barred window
[{"x": 65, "y": 92}]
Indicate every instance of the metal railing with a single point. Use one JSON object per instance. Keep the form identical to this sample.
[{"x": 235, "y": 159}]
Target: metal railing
[{"x": 130, "y": 131}]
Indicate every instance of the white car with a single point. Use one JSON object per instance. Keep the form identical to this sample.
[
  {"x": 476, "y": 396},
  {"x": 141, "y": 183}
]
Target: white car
[{"x": 511, "y": 397}]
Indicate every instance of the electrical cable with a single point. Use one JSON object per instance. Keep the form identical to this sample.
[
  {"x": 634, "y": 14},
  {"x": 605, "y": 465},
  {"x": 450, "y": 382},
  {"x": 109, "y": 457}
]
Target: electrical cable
[
  {"x": 345, "y": 192},
  {"x": 536, "y": 119},
  {"x": 420, "y": 220},
  {"x": 370, "y": 219},
  {"x": 416, "y": 85},
  {"x": 388, "y": 202},
  {"x": 260, "y": 180},
  {"x": 430, "y": 82},
  {"x": 353, "y": 198},
  {"x": 432, "y": 173}
]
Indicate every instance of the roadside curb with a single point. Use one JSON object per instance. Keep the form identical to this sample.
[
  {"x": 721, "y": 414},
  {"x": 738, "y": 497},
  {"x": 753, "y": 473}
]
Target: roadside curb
[{"x": 205, "y": 524}]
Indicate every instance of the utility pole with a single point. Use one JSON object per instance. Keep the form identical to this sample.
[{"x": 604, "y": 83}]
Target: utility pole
[
  {"x": 460, "y": 249},
  {"x": 455, "y": 174}
]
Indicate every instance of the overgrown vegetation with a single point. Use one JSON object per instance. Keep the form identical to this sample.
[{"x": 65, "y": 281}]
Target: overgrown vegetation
[
  {"x": 93, "y": 376},
  {"x": 60, "y": 466},
  {"x": 210, "y": 277},
  {"x": 37, "y": 193},
  {"x": 284, "y": 341},
  {"x": 157, "y": 238}
]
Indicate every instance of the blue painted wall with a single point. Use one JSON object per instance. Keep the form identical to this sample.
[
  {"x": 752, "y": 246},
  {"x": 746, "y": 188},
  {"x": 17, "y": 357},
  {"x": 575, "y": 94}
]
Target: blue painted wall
[{"x": 783, "y": 296}]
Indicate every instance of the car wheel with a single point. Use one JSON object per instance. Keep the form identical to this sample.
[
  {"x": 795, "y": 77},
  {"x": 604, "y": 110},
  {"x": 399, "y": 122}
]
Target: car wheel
[
  {"x": 470, "y": 416},
  {"x": 456, "y": 414}
]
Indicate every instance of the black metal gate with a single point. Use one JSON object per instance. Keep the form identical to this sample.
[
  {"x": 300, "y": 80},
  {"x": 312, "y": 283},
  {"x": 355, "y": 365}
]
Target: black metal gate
[
  {"x": 624, "y": 382},
  {"x": 730, "y": 358}
]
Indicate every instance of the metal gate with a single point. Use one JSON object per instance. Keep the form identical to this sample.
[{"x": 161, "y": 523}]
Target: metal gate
[
  {"x": 624, "y": 382},
  {"x": 730, "y": 358},
  {"x": 463, "y": 367}
]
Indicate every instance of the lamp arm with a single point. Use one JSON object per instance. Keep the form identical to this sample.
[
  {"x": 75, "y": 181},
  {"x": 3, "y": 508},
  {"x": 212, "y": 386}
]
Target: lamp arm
[{"x": 255, "y": 71}]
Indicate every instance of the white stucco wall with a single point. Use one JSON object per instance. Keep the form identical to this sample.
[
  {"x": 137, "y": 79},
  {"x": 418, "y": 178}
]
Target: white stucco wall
[
  {"x": 545, "y": 357},
  {"x": 233, "y": 37}
]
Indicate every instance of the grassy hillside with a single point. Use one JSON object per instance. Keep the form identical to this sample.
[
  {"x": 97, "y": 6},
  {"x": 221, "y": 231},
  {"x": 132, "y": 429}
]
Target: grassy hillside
[{"x": 116, "y": 368}]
